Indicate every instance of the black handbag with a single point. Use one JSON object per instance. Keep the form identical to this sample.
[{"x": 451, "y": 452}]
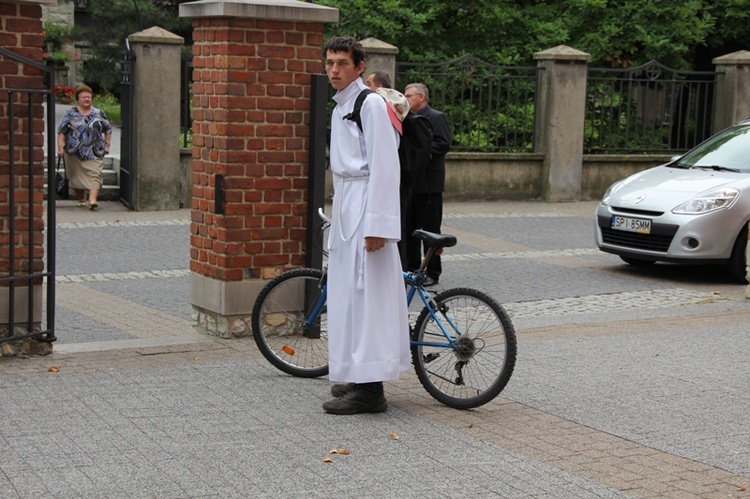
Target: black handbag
[{"x": 62, "y": 183}]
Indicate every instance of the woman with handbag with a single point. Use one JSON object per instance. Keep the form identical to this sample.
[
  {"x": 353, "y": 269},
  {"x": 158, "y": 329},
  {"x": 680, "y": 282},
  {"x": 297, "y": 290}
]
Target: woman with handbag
[{"x": 83, "y": 138}]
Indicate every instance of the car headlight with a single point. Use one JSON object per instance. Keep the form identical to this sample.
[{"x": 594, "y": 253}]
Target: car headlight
[
  {"x": 709, "y": 201},
  {"x": 609, "y": 191}
]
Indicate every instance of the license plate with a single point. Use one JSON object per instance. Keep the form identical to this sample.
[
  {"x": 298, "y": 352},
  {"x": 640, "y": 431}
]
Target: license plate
[{"x": 638, "y": 225}]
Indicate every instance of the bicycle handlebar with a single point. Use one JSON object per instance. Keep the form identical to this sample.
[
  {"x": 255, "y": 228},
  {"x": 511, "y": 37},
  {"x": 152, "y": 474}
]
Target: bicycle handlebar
[{"x": 322, "y": 215}]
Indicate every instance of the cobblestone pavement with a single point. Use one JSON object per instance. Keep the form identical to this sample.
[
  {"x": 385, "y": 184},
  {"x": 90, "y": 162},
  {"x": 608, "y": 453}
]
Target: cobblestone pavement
[{"x": 629, "y": 382}]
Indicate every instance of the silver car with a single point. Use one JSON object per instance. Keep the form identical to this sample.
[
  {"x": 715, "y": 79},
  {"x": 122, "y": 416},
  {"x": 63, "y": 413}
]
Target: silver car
[{"x": 694, "y": 209}]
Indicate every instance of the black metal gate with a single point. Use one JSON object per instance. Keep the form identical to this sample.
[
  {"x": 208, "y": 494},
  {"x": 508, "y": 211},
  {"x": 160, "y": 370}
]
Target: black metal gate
[
  {"x": 22, "y": 281},
  {"x": 127, "y": 156},
  {"x": 649, "y": 108}
]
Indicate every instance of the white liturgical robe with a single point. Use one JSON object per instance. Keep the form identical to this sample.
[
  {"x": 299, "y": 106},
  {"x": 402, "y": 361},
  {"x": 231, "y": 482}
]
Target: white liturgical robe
[{"x": 368, "y": 326}]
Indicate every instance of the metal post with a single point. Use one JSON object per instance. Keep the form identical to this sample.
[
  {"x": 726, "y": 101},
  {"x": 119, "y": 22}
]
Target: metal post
[{"x": 316, "y": 175}]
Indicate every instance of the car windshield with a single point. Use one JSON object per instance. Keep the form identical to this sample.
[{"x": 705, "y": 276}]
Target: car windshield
[{"x": 728, "y": 150}]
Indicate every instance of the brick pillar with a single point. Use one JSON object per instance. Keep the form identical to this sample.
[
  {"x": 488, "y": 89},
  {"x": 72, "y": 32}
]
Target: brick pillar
[
  {"x": 251, "y": 99},
  {"x": 21, "y": 33}
]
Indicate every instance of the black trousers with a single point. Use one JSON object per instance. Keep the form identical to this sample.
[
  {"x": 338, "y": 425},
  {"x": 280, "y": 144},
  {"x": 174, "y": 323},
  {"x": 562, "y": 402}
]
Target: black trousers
[
  {"x": 405, "y": 200},
  {"x": 427, "y": 214}
]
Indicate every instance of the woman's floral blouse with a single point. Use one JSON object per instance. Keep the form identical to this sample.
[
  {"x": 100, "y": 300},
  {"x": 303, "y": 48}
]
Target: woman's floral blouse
[{"x": 84, "y": 135}]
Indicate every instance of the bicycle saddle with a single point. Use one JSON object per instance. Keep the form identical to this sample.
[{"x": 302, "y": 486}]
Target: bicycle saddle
[{"x": 433, "y": 240}]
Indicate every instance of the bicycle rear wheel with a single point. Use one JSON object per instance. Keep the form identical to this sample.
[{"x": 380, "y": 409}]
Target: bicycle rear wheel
[
  {"x": 477, "y": 369},
  {"x": 279, "y": 321}
]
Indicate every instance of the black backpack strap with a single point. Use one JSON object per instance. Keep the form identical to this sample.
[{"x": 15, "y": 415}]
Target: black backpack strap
[{"x": 354, "y": 115}]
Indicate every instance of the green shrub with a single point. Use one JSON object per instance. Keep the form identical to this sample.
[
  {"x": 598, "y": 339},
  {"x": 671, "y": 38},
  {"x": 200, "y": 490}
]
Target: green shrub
[
  {"x": 56, "y": 35},
  {"x": 111, "y": 107}
]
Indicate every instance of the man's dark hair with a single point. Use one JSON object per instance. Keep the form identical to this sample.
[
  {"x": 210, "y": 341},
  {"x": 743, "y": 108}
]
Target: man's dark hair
[
  {"x": 347, "y": 44},
  {"x": 382, "y": 79}
]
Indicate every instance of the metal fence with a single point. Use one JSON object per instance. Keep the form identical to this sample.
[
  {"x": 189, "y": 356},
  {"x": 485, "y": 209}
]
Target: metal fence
[
  {"x": 186, "y": 98},
  {"x": 22, "y": 276},
  {"x": 649, "y": 109},
  {"x": 491, "y": 108},
  {"x": 644, "y": 109},
  {"x": 128, "y": 167}
]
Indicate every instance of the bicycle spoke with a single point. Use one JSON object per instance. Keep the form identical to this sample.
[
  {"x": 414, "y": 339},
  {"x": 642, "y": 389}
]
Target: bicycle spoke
[
  {"x": 483, "y": 355},
  {"x": 279, "y": 324}
]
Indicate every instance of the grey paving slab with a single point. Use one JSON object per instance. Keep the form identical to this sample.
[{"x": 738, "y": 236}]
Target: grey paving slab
[
  {"x": 198, "y": 430},
  {"x": 629, "y": 382},
  {"x": 169, "y": 295},
  {"x": 74, "y": 327},
  {"x": 682, "y": 392},
  {"x": 112, "y": 249},
  {"x": 507, "y": 280},
  {"x": 539, "y": 232}
]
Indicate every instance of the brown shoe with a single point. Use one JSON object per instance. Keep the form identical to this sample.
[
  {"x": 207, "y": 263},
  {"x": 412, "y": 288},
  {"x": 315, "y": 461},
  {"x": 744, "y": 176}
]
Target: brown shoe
[
  {"x": 338, "y": 390},
  {"x": 357, "y": 401}
]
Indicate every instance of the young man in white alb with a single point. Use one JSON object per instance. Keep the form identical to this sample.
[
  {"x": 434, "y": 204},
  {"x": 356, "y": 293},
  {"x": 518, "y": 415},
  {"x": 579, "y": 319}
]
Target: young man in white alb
[{"x": 368, "y": 329}]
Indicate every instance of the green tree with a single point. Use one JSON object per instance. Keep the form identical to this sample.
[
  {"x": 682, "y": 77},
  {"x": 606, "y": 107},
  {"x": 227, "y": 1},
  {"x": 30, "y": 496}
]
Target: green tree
[
  {"x": 618, "y": 33},
  {"x": 112, "y": 22},
  {"x": 627, "y": 32}
]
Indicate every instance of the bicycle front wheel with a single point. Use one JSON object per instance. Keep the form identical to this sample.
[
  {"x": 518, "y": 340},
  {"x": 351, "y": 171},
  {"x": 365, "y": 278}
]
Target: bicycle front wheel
[
  {"x": 476, "y": 368},
  {"x": 286, "y": 334}
]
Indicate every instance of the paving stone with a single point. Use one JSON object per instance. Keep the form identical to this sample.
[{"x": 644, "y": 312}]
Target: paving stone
[{"x": 628, "y": 383}]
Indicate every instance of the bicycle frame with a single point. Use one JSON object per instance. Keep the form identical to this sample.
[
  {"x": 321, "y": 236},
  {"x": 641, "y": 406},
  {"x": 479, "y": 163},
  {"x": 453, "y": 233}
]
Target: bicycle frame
[
  {"x": 412, "y": 280},
  {"x": 472, "y": 324}
]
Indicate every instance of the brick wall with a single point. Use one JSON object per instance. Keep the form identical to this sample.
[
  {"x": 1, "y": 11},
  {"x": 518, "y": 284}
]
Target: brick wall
[
  {"x": 21, "y": 33},
  {"x": 251, "y": 96}
]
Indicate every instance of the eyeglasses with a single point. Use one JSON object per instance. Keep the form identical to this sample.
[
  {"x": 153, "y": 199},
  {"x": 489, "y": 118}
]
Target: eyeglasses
[{"x": 409, "y": 96}]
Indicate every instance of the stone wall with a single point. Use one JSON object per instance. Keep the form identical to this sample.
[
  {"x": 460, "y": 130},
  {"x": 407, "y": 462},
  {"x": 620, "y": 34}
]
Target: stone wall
[{"x": 62, "y": 12}]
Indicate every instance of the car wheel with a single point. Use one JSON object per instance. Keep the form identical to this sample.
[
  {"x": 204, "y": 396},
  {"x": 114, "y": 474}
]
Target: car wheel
[
  {"x": 637, "y": 262},
  {"x": 737, "y": 266}
]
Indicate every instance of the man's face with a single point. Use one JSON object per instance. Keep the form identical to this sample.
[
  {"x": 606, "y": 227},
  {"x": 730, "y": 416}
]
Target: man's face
[
  {"x": 416, "y": 101},
  {"x": 370, "y": 82},
  {"x": 341, "y": 70}
]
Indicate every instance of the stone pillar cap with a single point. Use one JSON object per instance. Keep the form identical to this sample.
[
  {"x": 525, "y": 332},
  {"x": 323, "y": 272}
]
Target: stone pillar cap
[
  {"x": 735, "y": 58},
  {"x": 562, "y": 53},
  {"x": 276, "y": 10},
  {"x": 156, "y": 35},
  {"x": 378, "y": 46}
]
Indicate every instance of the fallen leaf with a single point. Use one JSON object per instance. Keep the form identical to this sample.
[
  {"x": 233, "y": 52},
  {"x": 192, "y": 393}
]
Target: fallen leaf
[
  {"x": 470, "y": 425},
  {"x": 53, "y": 370},
  {"x": 717, "y": 292},
  {"x": 742, "y": 489},
  {"x": 343, "y": 452},
  {"x": 196, "y": 358},
  {"x": 327, "y": 460},
  {"x": 288, "y": 350},
  {"x": 394, "y": 436},
  {"x": 333, "y": 451}
]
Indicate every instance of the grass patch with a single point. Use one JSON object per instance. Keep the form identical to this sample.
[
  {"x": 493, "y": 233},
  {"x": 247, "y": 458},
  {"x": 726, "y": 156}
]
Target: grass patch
[{"x": 111, "y": 107}]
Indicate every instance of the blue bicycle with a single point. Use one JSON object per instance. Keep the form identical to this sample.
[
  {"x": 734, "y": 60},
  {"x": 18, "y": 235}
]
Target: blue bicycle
[{"x": 463, "y": 343}]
